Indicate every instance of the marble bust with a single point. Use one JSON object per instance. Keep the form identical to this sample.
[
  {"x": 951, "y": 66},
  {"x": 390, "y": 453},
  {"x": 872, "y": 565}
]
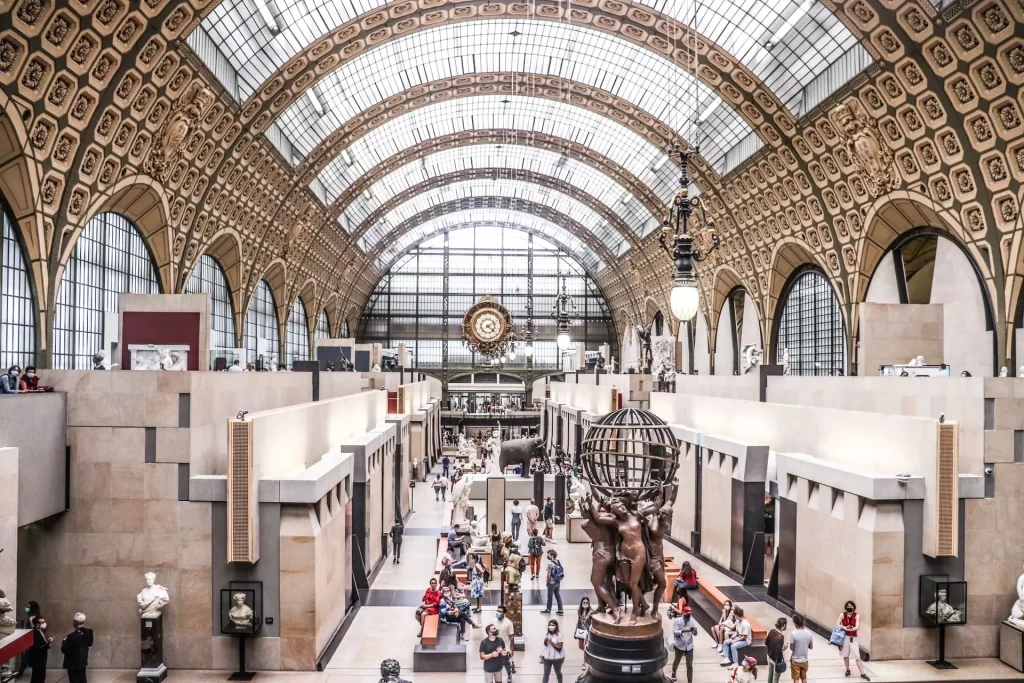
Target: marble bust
[
  {"x": 7, "y": 623},
  {"x": 152, "y": 599},
  {"x": 942, "y": 611},
  {"x": 1017, "y": 611},
  {"x": 240, "y": 615}
]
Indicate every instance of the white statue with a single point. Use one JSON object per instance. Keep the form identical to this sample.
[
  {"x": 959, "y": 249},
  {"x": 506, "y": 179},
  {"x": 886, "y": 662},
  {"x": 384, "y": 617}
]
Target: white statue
[
  {"x": 576, "y": 494},
  {"x": 942, "y": 611},
  {"x": 1003, "y": 372},
  {"x": 612, "y": 365},
  {"x": 494, "y": 444},
  {"x": 240, "y": 614},
  {"x": 152, "y": 599},
  {"x": 1017, "y": 611},
  {"x": 785, "y": 361},
  {"x": 915, "y": 362},
  {"x": 460, "y": 498},
  {"x": 752, "y": 355},
  {"x": 479, "y": 541},
  {"x": 1020, "y": 371},
  {"x": 376, "y": 367},
  {"x": 171, "y": 361},
  {"x": 100, "y": 360},
  {"x": 7, "y": 624}
]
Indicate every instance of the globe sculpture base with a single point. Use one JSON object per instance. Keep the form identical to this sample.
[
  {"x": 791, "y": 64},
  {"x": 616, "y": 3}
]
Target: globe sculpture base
[{"x": 621, "y": 652}]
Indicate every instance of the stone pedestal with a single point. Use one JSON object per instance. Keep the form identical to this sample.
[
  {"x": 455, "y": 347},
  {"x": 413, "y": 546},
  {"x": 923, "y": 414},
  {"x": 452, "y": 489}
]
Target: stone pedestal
[
  {"x": 514, "y": 610},
  {"x": 1011, "y": 645},
  {"x": 574, "y": 532},
  {"x": 620, "y": 652},
  {"x": 153, "y": 669}
]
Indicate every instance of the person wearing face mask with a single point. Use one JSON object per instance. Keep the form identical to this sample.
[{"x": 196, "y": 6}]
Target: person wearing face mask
[
  {"x": 507, "y": 632},
  {"x": 553, "y": 654},
  {"x": 492, "y": 654},
  {"x": 775, "y": 642},
  {"x": 30, "y": 382},
  {"x": 849, "y": 620},
  {"x": 40, "y": 650},
  {"x": 9, "y": 381},
  {"x": 554, "y": 582},
  {"x": 584, "y": 615},
  {"x": 745, "y": 671},
  {"x": 31, "y": 614},
  {"x": 684, "y": 628}
]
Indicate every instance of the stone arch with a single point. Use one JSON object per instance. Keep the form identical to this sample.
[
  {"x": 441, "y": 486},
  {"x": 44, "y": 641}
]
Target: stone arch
[
  {"x": 789, "y": 254},
  {"x": 142, "y": 201},
  {"x": 226, "y": 248}
]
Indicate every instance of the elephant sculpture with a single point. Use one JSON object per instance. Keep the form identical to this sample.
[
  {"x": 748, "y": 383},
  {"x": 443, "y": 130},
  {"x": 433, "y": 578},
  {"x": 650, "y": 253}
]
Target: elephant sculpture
[{"x": 521, "y": 452}]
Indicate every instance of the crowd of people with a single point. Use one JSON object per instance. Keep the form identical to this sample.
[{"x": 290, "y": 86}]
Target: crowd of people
[{"x": 14, "y": 382}]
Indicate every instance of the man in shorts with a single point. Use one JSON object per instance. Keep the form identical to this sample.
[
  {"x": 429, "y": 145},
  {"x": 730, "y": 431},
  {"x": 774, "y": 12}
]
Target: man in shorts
[{"x": 799, "y": 644}]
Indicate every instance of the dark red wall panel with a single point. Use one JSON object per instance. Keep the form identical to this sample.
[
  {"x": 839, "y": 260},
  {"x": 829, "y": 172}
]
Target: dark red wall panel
[{"x": 142, "y": 327}]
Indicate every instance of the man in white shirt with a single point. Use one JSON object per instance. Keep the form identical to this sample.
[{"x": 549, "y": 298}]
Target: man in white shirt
[
  {"x": 507, "y": 632},
  {"x": 532, "y": 515},
  {"x": 235, "y": 367}
]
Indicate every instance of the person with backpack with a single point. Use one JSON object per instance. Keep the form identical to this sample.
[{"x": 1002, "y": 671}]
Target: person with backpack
[
  {"x": 554, "y": 582},
  {"x": 536, "y": 548},
  {"x": 775, "y": 643}
]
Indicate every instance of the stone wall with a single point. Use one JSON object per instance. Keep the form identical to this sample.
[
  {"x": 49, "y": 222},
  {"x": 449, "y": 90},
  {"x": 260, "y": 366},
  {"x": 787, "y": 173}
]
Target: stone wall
[
  {"x": 716, "y": 508},
  {"x": 895, "y": 333}
]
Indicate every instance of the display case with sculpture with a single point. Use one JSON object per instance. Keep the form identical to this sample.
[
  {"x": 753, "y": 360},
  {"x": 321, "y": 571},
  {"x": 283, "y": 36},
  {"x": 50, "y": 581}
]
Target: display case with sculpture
[
  {"x": 630, "y": 459},
  {"x": 943, "y": 602},
  {"x": 241, "y": 614}
]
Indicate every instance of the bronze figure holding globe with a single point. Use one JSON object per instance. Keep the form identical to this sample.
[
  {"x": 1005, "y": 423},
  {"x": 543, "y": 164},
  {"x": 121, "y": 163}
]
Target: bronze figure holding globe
[{"x": 630, "y": 459}]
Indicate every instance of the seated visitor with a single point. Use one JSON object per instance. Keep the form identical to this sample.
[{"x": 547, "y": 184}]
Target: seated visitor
[
  {"x": 731, "y": 648},
  {"x": 9, "y": 380},
  {"x": 30, "y": 381},
  {"x": 456, "y": 543},
  {"x": 451, "y": 612},
  {"x": 686, "y": 580},
  {"x": 726, "y": 626},
  {"x": 428, "y": 605},
  {"x": 447, "y": 575}
]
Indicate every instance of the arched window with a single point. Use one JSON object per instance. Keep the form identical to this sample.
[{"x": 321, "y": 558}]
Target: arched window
[
  {"x": 208, "y": 278},
  {"x": 323, "y": 326},
  {"x": 344, "y": 329},
  {"x": 261, "y": 331},
  {"x": 17, "y": 315},
  {"x": 812, "y": 328},
  {"x": 110, "y": 258},
  {"x": 296, "y": 341}
]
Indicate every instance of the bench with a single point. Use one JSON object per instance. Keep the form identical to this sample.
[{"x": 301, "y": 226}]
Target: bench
[
  {"x": 707, "y": 602},
  {"x": 439, "y": 649},
  {"x": 430, "y": 625}
]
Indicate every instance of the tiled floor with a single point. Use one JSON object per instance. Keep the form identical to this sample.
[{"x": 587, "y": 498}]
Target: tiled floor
[{"x": 385, "y": 627}]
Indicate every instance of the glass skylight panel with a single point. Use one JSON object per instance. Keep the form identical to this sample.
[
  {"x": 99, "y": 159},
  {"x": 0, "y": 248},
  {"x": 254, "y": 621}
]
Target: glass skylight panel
[
  {"x": 514, "y": 157},
  {"x": 579, "y": 54},
  {"x": 785, "y": 43},
  {"x": 498, "y": 217},
  {"x": 491, "y": 188},
  {"x": 519, "y": 115}
]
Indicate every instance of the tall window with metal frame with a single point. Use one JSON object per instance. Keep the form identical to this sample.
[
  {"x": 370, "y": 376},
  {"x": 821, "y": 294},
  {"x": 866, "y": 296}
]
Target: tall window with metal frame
[
  {"x": 323, "y": 326},
  {"x": 261, "y": 330},
  {"x": 110, "y": 258},
  {"x": 208, "y": 278},
  {"x": 296, "y": 340},
  {"x": 17, "y": 315},
  {"x": 812, "y": 328}
]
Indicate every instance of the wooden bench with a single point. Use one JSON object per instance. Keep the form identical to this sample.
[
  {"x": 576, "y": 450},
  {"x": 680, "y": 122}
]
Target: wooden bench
[
  {"x": 671, "y": 572},
  {"x": 430, "y": 625},
  {"x": 718, "y": 598}
]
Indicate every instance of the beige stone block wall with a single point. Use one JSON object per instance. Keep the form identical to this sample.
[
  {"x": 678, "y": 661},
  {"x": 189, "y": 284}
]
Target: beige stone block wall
[
  {"x": 895, "y": 333},
  {"x": 9, "y": 525},
  {"x": 848, "y": 552},
  {"x": 313, "y": 579},
  {"x": 683, "y": 511},
  {"x": 406, "y": 471},
  {"x": 374, "y": 508},
  {"x": 716, "y": 508}
]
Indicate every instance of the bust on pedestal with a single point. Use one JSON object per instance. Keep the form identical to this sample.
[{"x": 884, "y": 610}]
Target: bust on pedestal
[{"x": 152, "y": 600}]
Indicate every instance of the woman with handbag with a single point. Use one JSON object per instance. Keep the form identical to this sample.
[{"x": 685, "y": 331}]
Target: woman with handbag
[
  {"x": 476, "y": 586},
  {"x": 583, "y": 617},
  {"x": 849, "y": 621},
  {"x": 775, "y": 643}
]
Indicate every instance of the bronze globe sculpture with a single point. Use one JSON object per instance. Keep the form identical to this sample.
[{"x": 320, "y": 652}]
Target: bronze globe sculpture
[{"x": 629, "y": 458}]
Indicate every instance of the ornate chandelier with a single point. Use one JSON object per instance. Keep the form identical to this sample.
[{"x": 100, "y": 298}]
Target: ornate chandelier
[
  {"x": 564, "y": 312},
  {"x": 487, "y": 329}
]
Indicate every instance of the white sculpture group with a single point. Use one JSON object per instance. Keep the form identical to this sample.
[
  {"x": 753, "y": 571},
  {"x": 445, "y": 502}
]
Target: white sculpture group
[{"x": 171, "y": 358}]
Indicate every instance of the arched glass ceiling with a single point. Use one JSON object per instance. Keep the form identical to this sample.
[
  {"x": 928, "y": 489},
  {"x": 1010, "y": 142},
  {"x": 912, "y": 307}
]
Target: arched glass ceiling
[
  {"x": 786, "y": 43},
  {"x": 637, "y": 75},
  {"x": 496, "y": 217},
  {"x": 518, "y": 157},
  {"x": 519, "y": 115},
  {"x": 492, "y": 188}
]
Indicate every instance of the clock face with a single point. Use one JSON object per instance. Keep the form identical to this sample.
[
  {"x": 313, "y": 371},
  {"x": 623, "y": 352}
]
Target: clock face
[{"x": 488, "y": 326}]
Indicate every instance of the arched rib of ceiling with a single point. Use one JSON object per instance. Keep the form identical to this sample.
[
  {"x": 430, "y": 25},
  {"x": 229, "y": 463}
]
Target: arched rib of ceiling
[
  {"x": 600, "y": 191},
  {"x": 380, "y": 231},
  {"x": 656, "y": 131},
  {"x": 803, "y": 39},
  {"x": 520, "y": 114},
  {"x": 563, "y": 237},
  {"x": 368, "y": 85},
  {"x": 448, "y": 181}
]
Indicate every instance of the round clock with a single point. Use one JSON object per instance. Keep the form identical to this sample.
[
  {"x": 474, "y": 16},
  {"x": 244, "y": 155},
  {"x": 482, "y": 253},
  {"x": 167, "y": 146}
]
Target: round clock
[{"x": 487, "y": 327}]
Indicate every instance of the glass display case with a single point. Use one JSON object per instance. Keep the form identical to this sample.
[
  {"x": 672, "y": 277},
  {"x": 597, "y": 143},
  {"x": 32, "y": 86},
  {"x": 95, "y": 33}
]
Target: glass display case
[
  {"x": 943, "y": 601},
  {"x": 241, "y": 608}
]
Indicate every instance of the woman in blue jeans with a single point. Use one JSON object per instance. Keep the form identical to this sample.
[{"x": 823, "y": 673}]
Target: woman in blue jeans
[{"x": 554, "y": 652}]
